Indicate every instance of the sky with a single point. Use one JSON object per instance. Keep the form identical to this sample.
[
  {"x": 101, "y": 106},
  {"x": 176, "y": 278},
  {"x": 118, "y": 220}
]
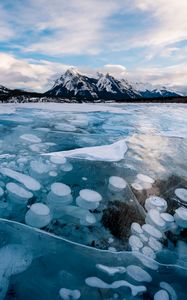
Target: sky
[{"x": 141, "y": 40}]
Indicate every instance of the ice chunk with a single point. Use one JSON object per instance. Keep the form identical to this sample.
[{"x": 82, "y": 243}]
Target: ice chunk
[
  {"x": 30, "y": 138},
  {"x": 180, "y": 217},
  {"x": 58, "y": 160},
  {"x": 147, "y": 251},
  {"x": 38, "y": 215},
  {"x": 88, "y": 199},
  {"x": 156, "y": 202},
  {"x": 117, "y": 184},
  {"x": 135, "y": 242},
  {"x": 17, "y": 193},
  {"x": 149, "y": 230},
  {"x": 98, "y": 283},
  {"x": 26, "y": 180},
  {"x": 113, "y": 152},
  {"x": 111, "y": 270},
  {"x": 138, "y": 274},
  {"x": 67, "y": 294},
  {"x": 161, "y": 295},
  {"x": 136, "y": 228},
  {"x": 154, "y": 244},
  {"x": 181, "y": 194},
  {"x": 153, "y": 217},
  {"x": 166, "y": 286}
]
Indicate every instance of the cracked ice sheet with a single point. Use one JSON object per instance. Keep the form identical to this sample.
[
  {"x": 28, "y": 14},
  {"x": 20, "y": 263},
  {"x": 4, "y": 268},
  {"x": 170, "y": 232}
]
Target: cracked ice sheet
[{"x": 113, "y": 152}]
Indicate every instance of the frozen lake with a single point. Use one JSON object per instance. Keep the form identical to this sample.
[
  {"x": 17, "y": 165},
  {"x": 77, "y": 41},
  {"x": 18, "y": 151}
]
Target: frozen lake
[{"x": 93, "y": 201}]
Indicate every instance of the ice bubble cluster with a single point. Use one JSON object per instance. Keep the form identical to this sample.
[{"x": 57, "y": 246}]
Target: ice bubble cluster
[{"x": 38, "y": 215}]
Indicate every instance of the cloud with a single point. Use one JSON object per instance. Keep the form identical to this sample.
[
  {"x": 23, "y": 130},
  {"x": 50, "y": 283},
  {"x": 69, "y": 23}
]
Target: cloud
[
  {"x": 28, "y": 74},
  {"x": 40, "y": 75}
]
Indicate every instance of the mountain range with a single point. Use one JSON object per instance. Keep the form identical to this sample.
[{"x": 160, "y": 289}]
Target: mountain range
[{"x": 74, "y": 86}]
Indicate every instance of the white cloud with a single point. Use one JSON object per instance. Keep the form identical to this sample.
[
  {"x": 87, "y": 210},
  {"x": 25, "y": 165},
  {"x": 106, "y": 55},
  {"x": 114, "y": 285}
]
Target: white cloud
[
  {"x": 28, "y": 74},
  {"x": 40, "y": 75}
]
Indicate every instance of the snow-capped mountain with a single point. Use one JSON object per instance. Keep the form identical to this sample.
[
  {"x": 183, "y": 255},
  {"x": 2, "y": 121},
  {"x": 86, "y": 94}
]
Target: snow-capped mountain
[
  {"x": 3, "y": 90},
  {"x": 73, "y": 84}
]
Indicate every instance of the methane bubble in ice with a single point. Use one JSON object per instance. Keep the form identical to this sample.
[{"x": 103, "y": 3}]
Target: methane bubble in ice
[
  {"x": 59, "y": 160},
  {"x": 17, "y": 193},
  {"x": 154, "y": 218},
  {"x": 166, "y": 286},
  {"x": 38, "y": 215},
  {"x": 117, "y": 184},
  {"x": 111, "y": 271},
  {"x": 135, "y": 242},
  {"x": 181, "y": 217},
  {"x": 161, "y": 295},
  {"x": 138, "y": 274},
  {"x": 1, "y": 192},
  {"x": 26, "y": 180},
  {"x": 136, "y": 228},
  {"x": 156, "y": 202},
  {"x": 59, "y": 196},
  {"x": 88, "y": 199},
  {"x": 67, "y": 294},
  {"x": 181, "y": 194},
  {"x": 149, "y": 230},
  {"x": 98, "y": 283}
]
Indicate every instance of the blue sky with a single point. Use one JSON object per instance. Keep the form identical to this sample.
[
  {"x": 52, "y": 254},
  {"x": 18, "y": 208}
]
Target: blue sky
[{"x": 142, "y": 40}]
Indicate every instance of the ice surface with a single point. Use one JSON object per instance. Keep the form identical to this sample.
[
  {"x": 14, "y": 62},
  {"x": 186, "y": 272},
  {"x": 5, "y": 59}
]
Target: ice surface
[
  {"x": 26, "y": 180},
  {"x": 94, "y": 235},
  {"x": 138, "y": 274},
  {"x": 113, "y": 152}
]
